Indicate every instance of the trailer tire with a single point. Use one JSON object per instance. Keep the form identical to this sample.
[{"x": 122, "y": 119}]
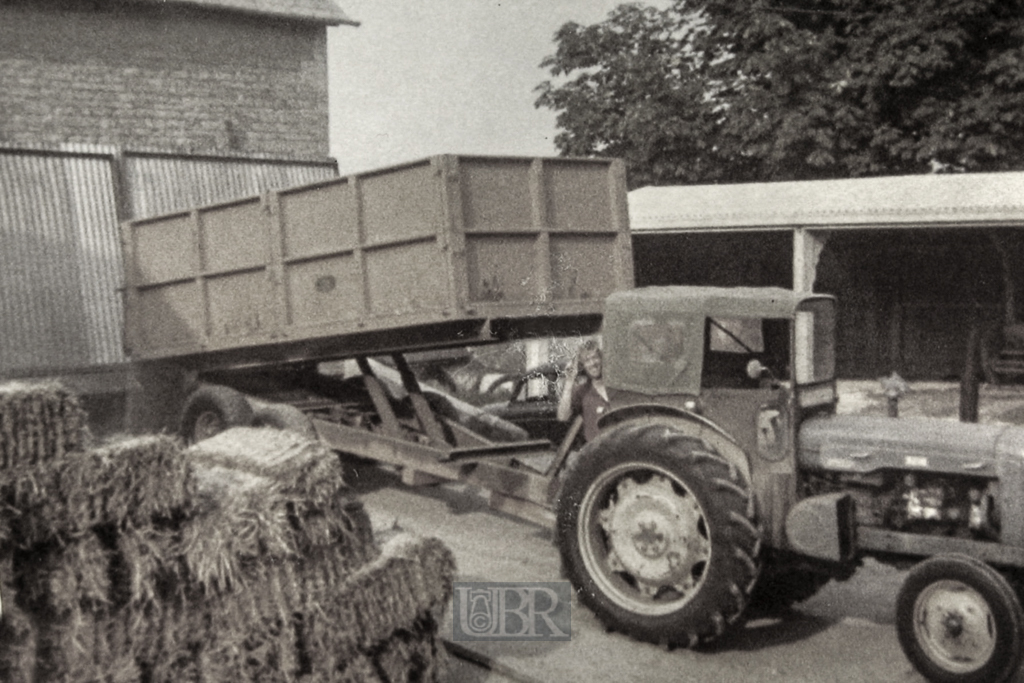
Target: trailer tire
[
  {"x": 210, "y": 410},
  {"x": 656, "y": 534},
  {"x": 959, "y": 621},
  {"x": 284, "y": 417}
]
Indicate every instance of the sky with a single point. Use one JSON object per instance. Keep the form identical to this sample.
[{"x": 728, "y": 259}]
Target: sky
[{"x": 418, "y": 78}]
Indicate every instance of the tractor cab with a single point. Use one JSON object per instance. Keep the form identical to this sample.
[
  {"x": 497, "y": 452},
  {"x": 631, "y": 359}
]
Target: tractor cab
[{"x": 754, "y": 361}]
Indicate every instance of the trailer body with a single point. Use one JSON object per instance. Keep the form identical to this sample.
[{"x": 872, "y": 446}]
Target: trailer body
[{"x": 444, "y": 251}]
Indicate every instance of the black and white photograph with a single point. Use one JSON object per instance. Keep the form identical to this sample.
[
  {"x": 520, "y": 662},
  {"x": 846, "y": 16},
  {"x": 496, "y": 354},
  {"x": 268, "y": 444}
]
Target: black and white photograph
[{"x": 511, "y": 341}]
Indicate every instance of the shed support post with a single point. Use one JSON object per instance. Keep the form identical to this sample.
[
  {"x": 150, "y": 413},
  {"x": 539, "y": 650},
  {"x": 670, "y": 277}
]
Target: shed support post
[{"x": 807, "y": 247}]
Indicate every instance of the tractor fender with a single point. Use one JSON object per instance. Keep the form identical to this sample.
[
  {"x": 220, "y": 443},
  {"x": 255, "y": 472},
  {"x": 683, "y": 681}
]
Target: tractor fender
[{"x": 687, "y": 422}]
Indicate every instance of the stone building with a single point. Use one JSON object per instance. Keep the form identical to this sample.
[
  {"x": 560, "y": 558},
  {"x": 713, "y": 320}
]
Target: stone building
[{"x": 188, "y": 76}]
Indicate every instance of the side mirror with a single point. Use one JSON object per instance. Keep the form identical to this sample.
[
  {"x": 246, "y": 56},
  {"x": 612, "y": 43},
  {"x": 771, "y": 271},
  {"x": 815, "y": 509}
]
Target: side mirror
[{"x": 756, "y": 369}]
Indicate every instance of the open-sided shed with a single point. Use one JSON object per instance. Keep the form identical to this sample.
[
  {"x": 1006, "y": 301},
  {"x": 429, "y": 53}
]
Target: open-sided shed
[{"x": 911, "y": 259}]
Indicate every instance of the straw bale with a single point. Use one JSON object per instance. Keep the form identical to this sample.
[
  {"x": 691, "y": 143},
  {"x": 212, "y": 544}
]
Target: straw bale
[
  {"x": 80, "y": 649},
  {"x": 125, "y": 484},
  {"x": 63, "y": 580},
  {"x": 410, "y": 581},
  {"x": 147, "y": 569},
  {"x": 39, "y": 423},
  {"x": 416, "y": 654},
  {"x": 307, "y": 619},
  {"x": 246, "y": 559},
  {"x": 304, "y": 468},
  {"x": 306, "y": 471},
  {"x": 17, "y": 631},
  {"x": 268, "y": 494}
]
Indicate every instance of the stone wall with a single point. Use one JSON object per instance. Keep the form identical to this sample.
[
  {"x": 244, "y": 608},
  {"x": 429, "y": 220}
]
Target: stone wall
[{"x": 148, "y": 76}]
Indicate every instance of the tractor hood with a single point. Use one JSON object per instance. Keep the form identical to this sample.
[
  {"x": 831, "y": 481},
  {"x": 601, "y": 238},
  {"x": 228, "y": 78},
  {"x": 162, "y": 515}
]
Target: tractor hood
[{"x": 859, "y": 443}]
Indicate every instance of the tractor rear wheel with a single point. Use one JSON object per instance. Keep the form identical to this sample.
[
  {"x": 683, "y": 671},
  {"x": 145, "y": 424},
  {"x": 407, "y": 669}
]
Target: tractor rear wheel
[{"x": 657, "y": 535}]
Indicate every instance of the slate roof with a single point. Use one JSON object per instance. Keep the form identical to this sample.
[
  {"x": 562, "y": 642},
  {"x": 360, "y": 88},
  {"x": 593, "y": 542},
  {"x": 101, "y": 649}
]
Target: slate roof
[{"x": 319, "y": 11}]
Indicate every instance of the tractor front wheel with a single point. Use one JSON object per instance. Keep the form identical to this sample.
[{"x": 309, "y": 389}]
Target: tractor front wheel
[{"x": 959, "y": 621}]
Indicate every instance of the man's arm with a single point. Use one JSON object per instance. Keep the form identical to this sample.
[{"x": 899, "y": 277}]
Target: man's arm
[{"x": 564, "y": 411}]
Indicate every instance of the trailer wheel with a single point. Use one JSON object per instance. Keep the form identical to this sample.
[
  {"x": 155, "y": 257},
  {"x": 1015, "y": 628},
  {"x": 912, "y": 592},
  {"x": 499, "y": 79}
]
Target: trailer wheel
[
  {"x": 656, "y": 534},
  {"x": 282, "y": 416},
  {"x": 210, "y": 410},
  {"x": 959, "y": 621}
]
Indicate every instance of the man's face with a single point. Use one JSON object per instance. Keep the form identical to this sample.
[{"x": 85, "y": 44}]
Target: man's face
[{"x": 592, "y": 364}]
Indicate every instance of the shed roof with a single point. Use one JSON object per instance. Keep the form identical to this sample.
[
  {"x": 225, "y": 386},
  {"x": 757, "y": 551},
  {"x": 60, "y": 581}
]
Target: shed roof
[
  {"x": 953, "y": 199},
  {"x": 318, "y": 11}
]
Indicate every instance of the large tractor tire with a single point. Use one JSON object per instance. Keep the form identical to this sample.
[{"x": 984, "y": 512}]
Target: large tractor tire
[
  {"x": 959, "y": 621},
  {"x": 210, "y": 410},
  {"x": 657, "y": 536},
  {"x": 282, "y": 416}
]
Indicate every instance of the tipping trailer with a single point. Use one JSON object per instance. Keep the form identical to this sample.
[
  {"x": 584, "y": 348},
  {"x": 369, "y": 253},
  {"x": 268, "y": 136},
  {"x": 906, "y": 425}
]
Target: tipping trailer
[{"x": 451, "y": 251}]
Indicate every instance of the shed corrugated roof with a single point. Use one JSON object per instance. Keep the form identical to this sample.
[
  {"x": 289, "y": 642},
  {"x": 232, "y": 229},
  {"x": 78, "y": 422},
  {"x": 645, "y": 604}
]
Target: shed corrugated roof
[
  {"x": 981, "y": 198},
  {"x": 320, "y": 11}
]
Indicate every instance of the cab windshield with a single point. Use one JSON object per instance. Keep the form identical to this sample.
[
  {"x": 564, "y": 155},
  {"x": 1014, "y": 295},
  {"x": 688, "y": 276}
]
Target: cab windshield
[
  {"x": 814, "y": 337},
  {"x": 731, "y": 343}
]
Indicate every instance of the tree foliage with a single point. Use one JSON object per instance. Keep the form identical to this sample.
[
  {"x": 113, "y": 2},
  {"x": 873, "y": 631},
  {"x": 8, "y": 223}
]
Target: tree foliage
[{"x": 755, "y": 90}]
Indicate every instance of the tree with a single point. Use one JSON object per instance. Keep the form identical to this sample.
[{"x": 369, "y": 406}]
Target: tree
[{"x": 756, "y": 90}]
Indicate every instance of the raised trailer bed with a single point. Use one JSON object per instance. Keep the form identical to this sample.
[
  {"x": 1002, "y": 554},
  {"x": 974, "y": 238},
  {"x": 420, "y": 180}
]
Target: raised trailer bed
[{"x": 442, "y": 252}]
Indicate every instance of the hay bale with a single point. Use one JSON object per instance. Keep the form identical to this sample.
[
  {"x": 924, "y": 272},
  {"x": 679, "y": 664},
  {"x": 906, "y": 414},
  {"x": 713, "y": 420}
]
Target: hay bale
[
  {"x": 62, "y": 581},
  {"x": 17, "y": 631},
  {"x": 412, "y": 578},
  {"x": 302, "y": 467},
  {"x": 90, "y": 647},
  {"x": 130, "y": 483},
  {"x": 382, "y": 618},
  {"x": 413, "y": 654},
  {"x": 39, "y": 423},
  {"x": 244, "y": 558},
  {"x": 269, "y": 495},
  {"x": 78, "y": 633},
  {"x": 285, "y": 578}
]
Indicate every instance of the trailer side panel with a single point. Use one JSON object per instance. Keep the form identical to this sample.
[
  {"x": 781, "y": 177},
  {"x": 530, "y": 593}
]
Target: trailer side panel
[{"x": 438, "y": 252}]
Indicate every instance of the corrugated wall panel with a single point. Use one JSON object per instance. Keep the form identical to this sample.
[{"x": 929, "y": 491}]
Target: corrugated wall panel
[
  {"x": 60, "y": 259},
  {"x": 160, "y": 184},
  {"x": 61, "y": 265}
]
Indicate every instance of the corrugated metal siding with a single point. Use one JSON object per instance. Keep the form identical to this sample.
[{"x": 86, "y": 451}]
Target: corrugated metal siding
[
  {"x": 61, "y": 265},
  {"x": 160, "y": 184},
  {"x": 60, "y": 259}
]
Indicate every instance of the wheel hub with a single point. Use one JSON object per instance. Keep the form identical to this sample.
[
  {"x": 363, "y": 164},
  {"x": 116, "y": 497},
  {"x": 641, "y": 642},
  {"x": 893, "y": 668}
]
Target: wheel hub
[
  {"x": 955, "y": 623},
  {"x": 207, "y": 424},
  {"x": 654, "y": 535}
]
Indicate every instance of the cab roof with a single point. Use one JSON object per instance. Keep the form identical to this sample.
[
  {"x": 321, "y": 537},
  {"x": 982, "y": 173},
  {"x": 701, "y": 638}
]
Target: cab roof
[{"x": 744, "y": 302}]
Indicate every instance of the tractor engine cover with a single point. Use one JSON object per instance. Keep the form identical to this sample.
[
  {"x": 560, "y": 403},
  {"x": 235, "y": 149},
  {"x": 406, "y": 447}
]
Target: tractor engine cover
[
  {"x": 924, "y": 449},
  {"x": 862, "y": 444}
]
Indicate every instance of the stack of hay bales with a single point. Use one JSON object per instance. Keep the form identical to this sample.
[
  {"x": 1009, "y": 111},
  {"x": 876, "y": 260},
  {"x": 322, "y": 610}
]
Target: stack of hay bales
[{"x": 243, "y": 558}]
